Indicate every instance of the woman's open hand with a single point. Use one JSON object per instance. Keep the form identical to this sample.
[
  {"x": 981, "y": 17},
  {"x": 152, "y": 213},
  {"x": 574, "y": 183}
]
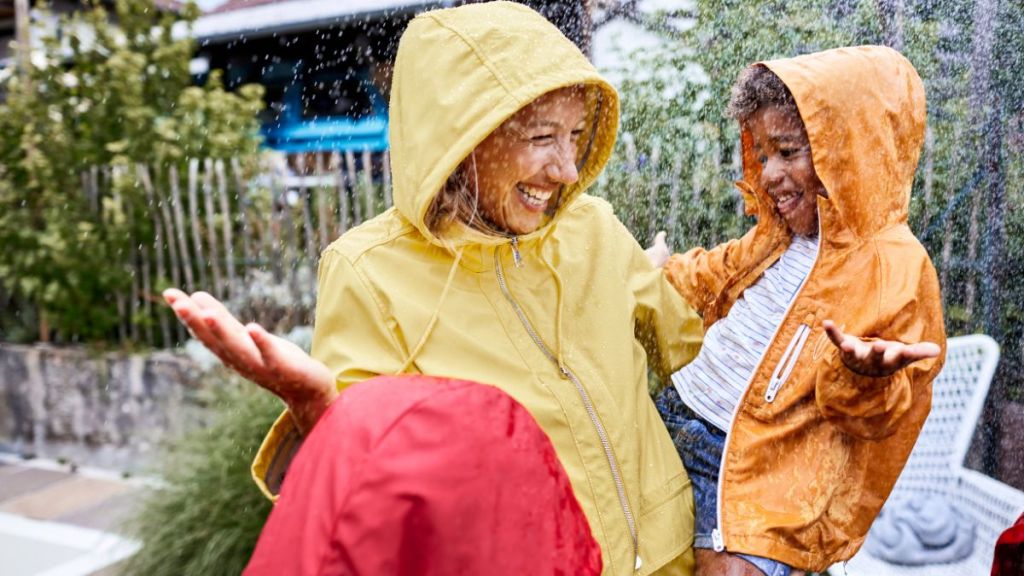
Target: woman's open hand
[
  {"x": 877, "y": 357},
  {"x": 305, "y": 384}
]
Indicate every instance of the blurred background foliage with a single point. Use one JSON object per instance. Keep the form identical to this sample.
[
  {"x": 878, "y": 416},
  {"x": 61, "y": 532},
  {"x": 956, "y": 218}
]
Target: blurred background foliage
[{"x": 99, "y": 95}]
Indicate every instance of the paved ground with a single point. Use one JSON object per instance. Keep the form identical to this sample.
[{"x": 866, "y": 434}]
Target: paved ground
[{"x": 55, "y": 522}]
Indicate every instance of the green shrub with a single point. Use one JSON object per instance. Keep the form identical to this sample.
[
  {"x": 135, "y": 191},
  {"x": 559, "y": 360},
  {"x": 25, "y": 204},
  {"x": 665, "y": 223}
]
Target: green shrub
[
  {"x": 207, "y": 518},
  {"x": 98, "y": 100}
]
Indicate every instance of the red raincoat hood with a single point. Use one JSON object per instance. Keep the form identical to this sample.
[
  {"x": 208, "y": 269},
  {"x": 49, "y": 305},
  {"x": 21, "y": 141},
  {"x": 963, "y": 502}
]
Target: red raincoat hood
[{"x": 421, "y": 475}]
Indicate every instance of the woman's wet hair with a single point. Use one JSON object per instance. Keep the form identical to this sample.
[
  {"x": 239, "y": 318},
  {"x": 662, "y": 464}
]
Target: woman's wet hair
[
  {"x": 456, "y": 202},
  {"x": 756, "y": 87}
]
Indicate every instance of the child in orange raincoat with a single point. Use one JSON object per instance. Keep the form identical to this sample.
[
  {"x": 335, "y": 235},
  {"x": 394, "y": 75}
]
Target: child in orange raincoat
[{"x": 798, "y": 415}]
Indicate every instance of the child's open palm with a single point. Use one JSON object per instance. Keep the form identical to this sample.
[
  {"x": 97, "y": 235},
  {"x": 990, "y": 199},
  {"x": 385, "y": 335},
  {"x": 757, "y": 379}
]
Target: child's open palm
[{"x": 877, "y": 357}]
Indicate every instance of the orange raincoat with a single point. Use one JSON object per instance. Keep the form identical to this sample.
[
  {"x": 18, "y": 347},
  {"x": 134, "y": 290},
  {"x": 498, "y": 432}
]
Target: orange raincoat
[{"x": 805, "y": 472}]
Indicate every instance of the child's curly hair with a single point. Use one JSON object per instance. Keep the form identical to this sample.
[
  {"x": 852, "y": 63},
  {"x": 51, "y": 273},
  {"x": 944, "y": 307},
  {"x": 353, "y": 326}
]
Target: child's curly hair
[{"x": 757, "y": 86}]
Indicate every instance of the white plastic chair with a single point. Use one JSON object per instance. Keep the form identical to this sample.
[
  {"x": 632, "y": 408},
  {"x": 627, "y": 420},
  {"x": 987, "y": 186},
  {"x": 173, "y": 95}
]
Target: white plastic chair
[{"x": 936, "y": 466}]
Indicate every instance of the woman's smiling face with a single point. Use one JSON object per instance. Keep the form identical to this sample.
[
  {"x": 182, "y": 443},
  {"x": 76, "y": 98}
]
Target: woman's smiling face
[{"x": 522, "y": 166}]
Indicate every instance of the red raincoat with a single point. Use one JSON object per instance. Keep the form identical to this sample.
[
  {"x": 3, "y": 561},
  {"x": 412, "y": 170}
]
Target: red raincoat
[
  {"x": 421, "y": 475},
  {"x": 1009, "y": 553}
]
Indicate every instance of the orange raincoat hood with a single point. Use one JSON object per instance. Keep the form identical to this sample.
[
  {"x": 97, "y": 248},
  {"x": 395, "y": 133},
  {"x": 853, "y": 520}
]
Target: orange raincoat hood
[{"x": 865, "y": 134}]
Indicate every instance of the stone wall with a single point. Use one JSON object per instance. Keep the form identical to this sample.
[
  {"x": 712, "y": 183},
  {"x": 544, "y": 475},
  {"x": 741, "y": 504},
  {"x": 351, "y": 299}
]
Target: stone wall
[{"x": 108, "y": 410}]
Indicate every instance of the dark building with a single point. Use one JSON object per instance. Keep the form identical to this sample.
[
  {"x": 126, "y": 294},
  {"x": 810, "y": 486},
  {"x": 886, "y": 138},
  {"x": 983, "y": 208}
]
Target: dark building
[{"x": 326, "y": 64}]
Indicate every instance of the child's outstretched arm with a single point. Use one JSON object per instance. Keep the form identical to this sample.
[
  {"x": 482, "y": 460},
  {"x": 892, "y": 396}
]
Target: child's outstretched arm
[
  {"x": 669, "y": 329},
  {"x": 698, "y": 275}
]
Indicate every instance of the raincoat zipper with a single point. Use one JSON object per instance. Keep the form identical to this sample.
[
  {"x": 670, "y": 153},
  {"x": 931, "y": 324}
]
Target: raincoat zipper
[
  {"x": 584, "y": 396},
  {"x": 717, "y": 535},
  {"x": 787, "y": 362},
  {"x": 516, "y": 256}
]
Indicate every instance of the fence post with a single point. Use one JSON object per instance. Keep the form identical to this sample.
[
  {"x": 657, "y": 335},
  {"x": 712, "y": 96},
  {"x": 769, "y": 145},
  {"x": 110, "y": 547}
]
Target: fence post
[
  {"x": 160, "y": 204},
  {"x": 386, "y": 176},
  {"x": 159, "y": 237},
  {"x": 94, "y": 184},
  {"x": 179, "y": 228},
  {"x": 368, "y": 191},
  {"x": 211, "y": 228},
  {"x": 227, "y": 223},
  {"x": 278, "y": 219},
  {"x": 352, "y": 183},
  {"x": 143, "y": 292},
  {"x": 193, "y": 210},
  {"x": 343, "y": 207},
  {"x": 243, "y": 211},
  {"x": 322, "y": 209},
  {"x": 126, "y": 303},
  {"x": 306, "y": 199}
]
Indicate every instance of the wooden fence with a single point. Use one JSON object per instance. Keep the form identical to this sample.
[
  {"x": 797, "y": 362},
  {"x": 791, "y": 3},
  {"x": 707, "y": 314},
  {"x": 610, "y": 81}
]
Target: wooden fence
[
  {"x": 216, "y": 225},
  {"x": 224, "y": 228}
]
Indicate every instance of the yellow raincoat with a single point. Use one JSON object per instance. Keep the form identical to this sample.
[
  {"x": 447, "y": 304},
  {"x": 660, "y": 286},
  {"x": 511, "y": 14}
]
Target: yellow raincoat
[
  {"x": 569, "y": 332},
  {"x": 814, "y": 449}
]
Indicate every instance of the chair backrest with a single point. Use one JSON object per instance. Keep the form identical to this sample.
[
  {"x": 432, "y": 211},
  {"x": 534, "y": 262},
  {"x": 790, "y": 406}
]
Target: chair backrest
[
  {"x": 958, "y": 396},
  {"x": 993, "y": 506}
]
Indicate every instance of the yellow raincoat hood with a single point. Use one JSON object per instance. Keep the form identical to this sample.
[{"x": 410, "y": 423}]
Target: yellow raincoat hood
[{"x": 441, "y": 111}]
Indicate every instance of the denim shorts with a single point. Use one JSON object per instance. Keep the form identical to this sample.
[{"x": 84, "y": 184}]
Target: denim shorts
[{"x": 700, "y": 445}]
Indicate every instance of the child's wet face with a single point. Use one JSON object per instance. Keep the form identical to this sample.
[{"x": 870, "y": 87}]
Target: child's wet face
[{"x": 787, "y": 170}]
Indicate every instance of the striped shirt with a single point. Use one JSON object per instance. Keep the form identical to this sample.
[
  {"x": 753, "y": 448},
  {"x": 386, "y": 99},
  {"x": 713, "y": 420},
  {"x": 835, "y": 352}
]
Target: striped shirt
[{"x": 714, "y": 382}]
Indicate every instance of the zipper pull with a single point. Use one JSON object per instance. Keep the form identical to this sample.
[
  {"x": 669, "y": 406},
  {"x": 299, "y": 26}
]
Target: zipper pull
[
  {"x": 516, "y": 256},
  {"x": 565, "y": 376},
  {"x": 716, "y": 540},
  {"x": 773, "y": 389},
  {"x": 639, "y": 562}
]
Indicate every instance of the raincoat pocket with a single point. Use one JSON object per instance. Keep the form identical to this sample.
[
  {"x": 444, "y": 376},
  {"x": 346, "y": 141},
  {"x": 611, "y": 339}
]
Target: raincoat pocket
[{"x": 666, "y": 522}]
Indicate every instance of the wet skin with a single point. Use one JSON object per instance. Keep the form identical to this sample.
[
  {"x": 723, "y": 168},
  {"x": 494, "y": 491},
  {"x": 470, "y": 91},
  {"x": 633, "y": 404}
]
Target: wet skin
[
  {"x": 711, "y": 563},
  {"x": 523, "y": 165},
  {"x": 787, "y": 169}
]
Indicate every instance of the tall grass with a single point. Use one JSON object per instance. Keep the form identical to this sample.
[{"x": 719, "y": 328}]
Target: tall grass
[{"x": 208, "y": 517}]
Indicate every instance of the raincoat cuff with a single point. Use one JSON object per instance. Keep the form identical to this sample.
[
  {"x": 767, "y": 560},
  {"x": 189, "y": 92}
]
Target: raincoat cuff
[
  {"x": 869, "y": 382},
  {"x": 275, "y": 455}
]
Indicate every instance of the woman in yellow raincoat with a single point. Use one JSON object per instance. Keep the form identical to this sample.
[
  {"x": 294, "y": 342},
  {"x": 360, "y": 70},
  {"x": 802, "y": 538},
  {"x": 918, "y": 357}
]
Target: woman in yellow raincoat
[{"x": 495, "y": 266}]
